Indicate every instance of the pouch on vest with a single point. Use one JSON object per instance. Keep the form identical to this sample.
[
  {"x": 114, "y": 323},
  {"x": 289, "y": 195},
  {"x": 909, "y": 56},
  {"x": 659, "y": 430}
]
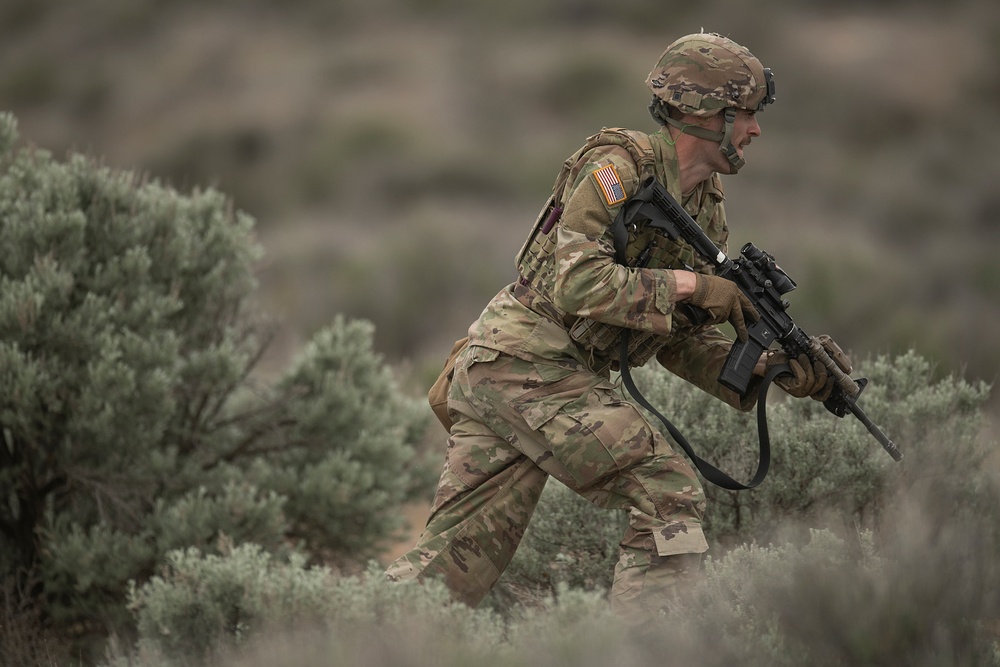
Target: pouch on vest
[{"x": 438, "y": 394}]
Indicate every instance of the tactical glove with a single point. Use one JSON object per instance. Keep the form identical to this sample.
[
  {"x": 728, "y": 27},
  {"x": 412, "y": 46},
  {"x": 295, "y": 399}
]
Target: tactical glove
[
  {"x": 810, "y": 378},
  {"x": 723, "y": 301}
]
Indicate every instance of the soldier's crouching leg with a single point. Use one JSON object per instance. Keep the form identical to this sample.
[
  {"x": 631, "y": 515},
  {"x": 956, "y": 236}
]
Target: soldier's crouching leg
[
  {"x": 660, "y": 556},
  {"x": 602, "y": 447},
  {"x": 485, "y": 497},
  {"x": 646, "y": 580},
  {"x": 645, "y": 583},
  {"x": 470, "y": 539}
]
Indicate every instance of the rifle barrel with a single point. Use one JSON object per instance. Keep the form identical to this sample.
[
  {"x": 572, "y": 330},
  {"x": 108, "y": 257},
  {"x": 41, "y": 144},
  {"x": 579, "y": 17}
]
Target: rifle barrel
[{"x": 883, "y": 439}]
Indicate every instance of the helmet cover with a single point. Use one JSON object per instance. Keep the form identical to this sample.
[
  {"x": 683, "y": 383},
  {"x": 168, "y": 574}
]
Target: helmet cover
[{"x": 703, "y": 73}]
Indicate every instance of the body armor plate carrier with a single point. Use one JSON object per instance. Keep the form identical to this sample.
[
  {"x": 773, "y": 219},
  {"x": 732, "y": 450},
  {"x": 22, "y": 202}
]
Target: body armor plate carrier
[{"x": 645, "y": 248}]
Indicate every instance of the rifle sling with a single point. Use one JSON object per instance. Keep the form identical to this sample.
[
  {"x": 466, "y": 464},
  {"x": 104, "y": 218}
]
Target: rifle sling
[{"x": 707, "y": 470}]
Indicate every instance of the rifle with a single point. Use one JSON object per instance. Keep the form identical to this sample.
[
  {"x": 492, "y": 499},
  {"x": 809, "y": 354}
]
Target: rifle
[{"x": 764, "y": 283}]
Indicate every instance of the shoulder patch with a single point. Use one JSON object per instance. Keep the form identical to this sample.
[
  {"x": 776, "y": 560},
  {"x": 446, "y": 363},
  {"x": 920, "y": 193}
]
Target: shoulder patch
[{"x": 610, "y": 184}]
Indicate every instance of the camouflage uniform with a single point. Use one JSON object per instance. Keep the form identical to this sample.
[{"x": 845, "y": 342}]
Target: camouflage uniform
[{"x": 532, "y": 396}]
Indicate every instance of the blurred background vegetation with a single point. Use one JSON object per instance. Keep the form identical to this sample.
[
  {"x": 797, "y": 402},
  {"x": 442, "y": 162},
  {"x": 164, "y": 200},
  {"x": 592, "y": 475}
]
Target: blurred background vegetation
[{"x": 393, "y": 152}]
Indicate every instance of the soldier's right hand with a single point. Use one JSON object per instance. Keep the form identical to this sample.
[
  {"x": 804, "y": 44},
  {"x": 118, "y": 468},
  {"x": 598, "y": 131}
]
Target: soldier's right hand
[{"x": 724, "y": 302}]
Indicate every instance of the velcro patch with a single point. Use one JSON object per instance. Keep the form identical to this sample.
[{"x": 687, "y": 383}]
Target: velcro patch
[{"x": 610, "y": 184}]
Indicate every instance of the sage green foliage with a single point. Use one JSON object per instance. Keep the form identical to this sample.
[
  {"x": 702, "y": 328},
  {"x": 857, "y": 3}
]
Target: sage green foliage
[
  {"x": 343, "y": 498},
  {"x": 830, "y": 601},
  {"x": 131, "y": 422},
  {"x": 201, "y": 602},
  {"x": 228, "y": 608},
  {"x": 927, "y": 600},
  {"x": 200, "y": 605}
]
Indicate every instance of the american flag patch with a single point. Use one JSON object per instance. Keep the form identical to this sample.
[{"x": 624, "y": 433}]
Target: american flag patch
[{"x": 610, "y": 184}]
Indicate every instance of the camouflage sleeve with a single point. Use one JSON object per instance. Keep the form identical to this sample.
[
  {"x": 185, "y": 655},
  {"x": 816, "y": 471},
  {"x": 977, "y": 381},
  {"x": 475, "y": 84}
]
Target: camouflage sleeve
[
  {"x": 589, "y": 282},
  {"x": 698, "y": 358}
]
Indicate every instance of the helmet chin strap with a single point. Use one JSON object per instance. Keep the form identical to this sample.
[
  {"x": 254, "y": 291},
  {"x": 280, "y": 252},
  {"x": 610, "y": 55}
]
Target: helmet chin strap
[
  {"x": 726, "y": 145},
  {"x": 725, "y": 138}
]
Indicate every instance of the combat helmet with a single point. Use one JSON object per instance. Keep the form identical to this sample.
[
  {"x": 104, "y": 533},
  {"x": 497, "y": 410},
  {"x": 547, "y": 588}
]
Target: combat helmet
[{"x": 703, "y": 74}]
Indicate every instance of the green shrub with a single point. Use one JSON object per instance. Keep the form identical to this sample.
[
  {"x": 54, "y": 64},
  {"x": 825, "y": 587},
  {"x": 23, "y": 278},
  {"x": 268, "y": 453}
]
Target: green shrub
[
  {"x": 202, "y": 602},
  {"x": 202, "y": 605},
  {"x": 131, "y": 421},
  {"x": 922, "y": 594},
  {"x": 342, "y": 454},
  {"x": 243, "y": 605}
]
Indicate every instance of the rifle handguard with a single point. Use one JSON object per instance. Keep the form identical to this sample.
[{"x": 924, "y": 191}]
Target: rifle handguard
[{"x": 842, "y": 379}]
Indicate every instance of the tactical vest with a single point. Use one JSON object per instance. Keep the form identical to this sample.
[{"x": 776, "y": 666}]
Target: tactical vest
[{"x": 536, "y": 264}]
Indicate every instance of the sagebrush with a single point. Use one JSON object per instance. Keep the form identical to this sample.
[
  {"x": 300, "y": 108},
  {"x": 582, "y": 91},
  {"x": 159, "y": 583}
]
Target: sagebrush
[{"x": 132, "y": 421}]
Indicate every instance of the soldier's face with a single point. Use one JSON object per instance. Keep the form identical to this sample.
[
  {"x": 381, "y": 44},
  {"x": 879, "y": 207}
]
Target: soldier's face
[{"x": 745, "y": 128}]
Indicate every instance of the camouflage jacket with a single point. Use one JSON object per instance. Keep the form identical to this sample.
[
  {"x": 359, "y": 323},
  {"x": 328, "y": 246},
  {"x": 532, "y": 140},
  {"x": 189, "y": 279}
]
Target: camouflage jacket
[{"x": 573, "y": 277}]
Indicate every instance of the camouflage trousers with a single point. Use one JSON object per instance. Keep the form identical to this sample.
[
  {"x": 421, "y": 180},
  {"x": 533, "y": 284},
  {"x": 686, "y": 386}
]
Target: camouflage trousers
[{"x": 517, "y": 423}]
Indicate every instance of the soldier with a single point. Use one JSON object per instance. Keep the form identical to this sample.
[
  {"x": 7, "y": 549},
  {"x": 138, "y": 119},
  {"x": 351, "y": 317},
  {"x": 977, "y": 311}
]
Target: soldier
[{"x": 531, "y": 394}]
